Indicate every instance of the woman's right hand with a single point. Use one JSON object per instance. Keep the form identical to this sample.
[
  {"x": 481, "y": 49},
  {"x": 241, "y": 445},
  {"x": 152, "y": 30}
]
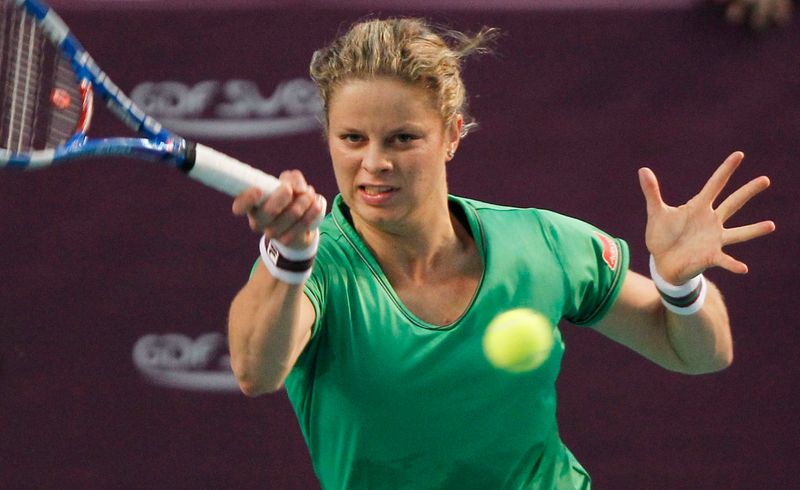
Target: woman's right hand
[{"x": 286, "y": 215}]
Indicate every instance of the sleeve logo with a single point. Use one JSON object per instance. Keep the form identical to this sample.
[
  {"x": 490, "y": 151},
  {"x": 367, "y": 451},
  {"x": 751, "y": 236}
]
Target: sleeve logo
[{"x": 610, "y": 250}]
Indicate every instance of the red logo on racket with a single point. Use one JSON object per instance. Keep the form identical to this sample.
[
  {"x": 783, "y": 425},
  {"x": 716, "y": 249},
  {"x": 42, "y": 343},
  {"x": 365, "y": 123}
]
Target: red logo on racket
[
  {"x": 610, "y": 250},
  {"x": 60, "y": 98}
]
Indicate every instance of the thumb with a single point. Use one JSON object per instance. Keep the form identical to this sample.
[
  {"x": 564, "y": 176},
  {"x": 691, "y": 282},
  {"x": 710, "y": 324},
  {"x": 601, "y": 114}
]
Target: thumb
[{"x": 650, "y": 189}]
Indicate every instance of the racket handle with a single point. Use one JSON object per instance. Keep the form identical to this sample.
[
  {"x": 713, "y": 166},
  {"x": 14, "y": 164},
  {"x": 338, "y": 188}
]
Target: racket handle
[
  {"x": 230, "y": 176},
  {"x": 226, "y": 174}
]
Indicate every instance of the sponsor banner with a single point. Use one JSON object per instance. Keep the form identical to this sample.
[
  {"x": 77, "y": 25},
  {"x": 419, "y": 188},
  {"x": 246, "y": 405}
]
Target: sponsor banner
[
  {"x": 175, "y": 360},
  {"x": 231, "y": 109}
]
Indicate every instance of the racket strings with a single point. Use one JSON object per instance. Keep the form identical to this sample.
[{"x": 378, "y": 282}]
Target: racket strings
[
  {"x": 20, "y": 69},
  {"x": 41, "y": 102},
  {"x": 66, "y": 98}
]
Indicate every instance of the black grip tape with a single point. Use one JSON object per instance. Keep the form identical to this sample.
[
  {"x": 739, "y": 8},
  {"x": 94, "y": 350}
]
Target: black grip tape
[{"x": 190, "y": 154}]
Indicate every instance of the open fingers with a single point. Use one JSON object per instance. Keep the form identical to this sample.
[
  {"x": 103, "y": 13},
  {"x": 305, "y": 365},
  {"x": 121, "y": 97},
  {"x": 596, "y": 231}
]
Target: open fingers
[
  {"x": 721, "y": 176},
  {"x": 747, "y": 232},
  {"x": 735, "y": 201},
  {"x": 728, "y": 263}
]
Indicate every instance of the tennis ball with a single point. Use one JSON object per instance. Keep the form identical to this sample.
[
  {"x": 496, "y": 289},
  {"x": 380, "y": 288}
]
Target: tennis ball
[{"x": 518, "y": 340}]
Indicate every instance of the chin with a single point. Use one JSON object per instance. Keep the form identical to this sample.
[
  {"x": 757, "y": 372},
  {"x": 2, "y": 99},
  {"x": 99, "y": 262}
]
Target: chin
[{"x": 374, "y": 217}]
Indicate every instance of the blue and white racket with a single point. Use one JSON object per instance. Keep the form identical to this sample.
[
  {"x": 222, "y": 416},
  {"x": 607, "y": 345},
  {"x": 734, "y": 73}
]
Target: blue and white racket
[{"x": 49, "y": 82}]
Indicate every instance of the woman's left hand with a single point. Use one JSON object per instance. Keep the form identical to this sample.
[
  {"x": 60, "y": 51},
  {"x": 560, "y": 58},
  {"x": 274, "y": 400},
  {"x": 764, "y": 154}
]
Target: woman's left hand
[{"x": 688, "y": 239}]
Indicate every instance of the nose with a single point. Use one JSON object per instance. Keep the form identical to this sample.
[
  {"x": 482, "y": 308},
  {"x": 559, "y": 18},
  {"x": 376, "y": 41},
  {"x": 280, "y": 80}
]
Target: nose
[{"x": 376, "y": 160}]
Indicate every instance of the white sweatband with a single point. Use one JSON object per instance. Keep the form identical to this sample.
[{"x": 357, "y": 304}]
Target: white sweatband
[
  {"x": 290, "y": 265},
  {"x": 685, "y": 299}
]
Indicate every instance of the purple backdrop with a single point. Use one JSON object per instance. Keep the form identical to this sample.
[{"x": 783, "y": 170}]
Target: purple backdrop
[{"x": 118, "y": 275}]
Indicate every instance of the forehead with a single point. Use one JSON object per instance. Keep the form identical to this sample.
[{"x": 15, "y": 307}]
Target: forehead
[{"x": 381, "y": 99}]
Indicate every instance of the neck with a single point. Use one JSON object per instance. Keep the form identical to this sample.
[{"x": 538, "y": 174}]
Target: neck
[{"x": 417, "y": 252}]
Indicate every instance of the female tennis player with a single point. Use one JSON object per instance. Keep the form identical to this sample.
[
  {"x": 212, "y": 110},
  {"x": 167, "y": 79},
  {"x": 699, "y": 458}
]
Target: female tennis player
[{"x": 374, "y": 322}]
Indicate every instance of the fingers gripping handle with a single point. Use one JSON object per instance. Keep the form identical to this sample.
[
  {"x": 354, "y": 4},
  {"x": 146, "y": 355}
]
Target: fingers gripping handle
[{"x": 229, "y": 175}]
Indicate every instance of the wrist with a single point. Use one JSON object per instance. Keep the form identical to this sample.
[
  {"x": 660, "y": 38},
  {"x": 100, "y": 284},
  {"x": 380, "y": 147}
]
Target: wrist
[
  {"x": 288, "y": 264},
  {"x": 684, "y": 299}
]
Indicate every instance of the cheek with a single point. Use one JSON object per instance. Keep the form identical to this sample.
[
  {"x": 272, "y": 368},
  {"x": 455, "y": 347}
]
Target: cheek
[{"x": 343, "y": 167}]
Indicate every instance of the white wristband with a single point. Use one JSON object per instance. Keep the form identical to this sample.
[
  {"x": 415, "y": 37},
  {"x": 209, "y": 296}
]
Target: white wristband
[
  {"x": 685, "y": 299},
  {"x": 290, "y": 265}
]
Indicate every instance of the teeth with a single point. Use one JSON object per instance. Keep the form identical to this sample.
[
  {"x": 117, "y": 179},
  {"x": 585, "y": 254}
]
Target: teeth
[{"x": 374, "y": 190}]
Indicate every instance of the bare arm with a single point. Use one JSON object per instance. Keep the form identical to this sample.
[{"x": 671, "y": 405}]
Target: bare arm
[
  {"x": 270, "y": 320},
  {"x": 684, "y": 241},
  {"x": 268, "y": 327},
  {"x": 693, "y": 344}
]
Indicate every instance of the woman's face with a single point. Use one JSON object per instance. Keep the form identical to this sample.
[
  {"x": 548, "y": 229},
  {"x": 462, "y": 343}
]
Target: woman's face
[{"x": 389, "y": 145}]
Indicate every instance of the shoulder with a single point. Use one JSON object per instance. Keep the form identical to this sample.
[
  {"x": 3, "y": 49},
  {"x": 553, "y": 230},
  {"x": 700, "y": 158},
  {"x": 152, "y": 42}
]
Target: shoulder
[
  {"x": 565, "y": 236},
  {"x": 498, "y": 214}
]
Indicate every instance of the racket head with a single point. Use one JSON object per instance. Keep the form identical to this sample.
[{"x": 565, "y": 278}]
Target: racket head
[
  {"x": 44, "y": 105},
  {"x": 46, "y": 75},
  {"x": 49, "y": 84}
]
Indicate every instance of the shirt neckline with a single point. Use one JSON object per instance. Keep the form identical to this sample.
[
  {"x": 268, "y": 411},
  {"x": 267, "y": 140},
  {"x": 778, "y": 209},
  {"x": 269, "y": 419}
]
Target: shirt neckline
[{"x": 464, "y": 212}]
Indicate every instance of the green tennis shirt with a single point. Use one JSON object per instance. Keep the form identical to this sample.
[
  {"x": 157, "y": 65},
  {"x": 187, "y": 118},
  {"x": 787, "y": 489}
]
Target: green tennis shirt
[{"x": 388, "y": 401}]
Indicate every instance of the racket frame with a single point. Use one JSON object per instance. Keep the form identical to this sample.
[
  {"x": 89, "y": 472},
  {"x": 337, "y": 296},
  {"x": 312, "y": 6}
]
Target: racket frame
[
  {"x": 202, "y": 163},
  {"x": 158, "y": 144}
]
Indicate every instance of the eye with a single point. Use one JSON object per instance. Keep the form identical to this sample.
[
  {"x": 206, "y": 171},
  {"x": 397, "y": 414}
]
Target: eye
[
  {"x": 405, "y": 138},
  {"x": 351, "y": 138}
]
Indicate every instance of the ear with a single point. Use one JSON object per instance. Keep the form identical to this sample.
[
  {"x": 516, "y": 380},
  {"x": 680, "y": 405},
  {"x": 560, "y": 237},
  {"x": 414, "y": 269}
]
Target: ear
[{"x": 453, "y": 135}]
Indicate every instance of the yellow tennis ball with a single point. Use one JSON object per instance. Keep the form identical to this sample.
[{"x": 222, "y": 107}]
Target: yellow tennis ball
[{"x": 518, "y": 340}]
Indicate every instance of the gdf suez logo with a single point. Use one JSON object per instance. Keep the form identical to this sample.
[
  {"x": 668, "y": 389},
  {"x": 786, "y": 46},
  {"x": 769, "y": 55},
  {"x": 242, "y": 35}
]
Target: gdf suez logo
[
  {"x": 233, "y": 109},
  {"x": 177, "y": 361}
]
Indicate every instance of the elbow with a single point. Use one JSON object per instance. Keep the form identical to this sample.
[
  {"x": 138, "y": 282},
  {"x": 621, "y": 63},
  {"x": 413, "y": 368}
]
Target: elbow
[
  {"x": 712, "y": 367},
  {"x": 252, "y": 387},
  {"x": 723, "y": 358},
  {"x": 252, "y": 384},
  {"x": 727, "y": 359},
  {"x": 252, "y": 390},
  {"x": 714, "y": 364}
]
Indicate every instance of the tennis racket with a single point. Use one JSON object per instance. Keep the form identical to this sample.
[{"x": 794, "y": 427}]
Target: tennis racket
[{"x": 49, "y": 86}]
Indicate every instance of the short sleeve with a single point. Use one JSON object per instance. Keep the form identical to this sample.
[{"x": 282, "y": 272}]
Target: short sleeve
[
  {"x": 594, "y": 266},
  {"x": 315, "y": 290}
]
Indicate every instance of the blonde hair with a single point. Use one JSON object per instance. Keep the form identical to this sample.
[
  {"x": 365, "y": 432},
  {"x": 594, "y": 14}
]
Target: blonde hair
[{"x": 409, "y": 49}]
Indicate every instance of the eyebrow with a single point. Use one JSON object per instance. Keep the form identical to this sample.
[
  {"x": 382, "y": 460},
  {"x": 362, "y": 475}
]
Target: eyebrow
[{"x": 406, "y": 127}]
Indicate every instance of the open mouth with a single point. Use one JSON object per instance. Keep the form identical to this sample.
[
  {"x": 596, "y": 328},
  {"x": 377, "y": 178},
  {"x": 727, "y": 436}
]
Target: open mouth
[
  {"x": 377, "y": 195},
  {"x": 375, "y": 190}
]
